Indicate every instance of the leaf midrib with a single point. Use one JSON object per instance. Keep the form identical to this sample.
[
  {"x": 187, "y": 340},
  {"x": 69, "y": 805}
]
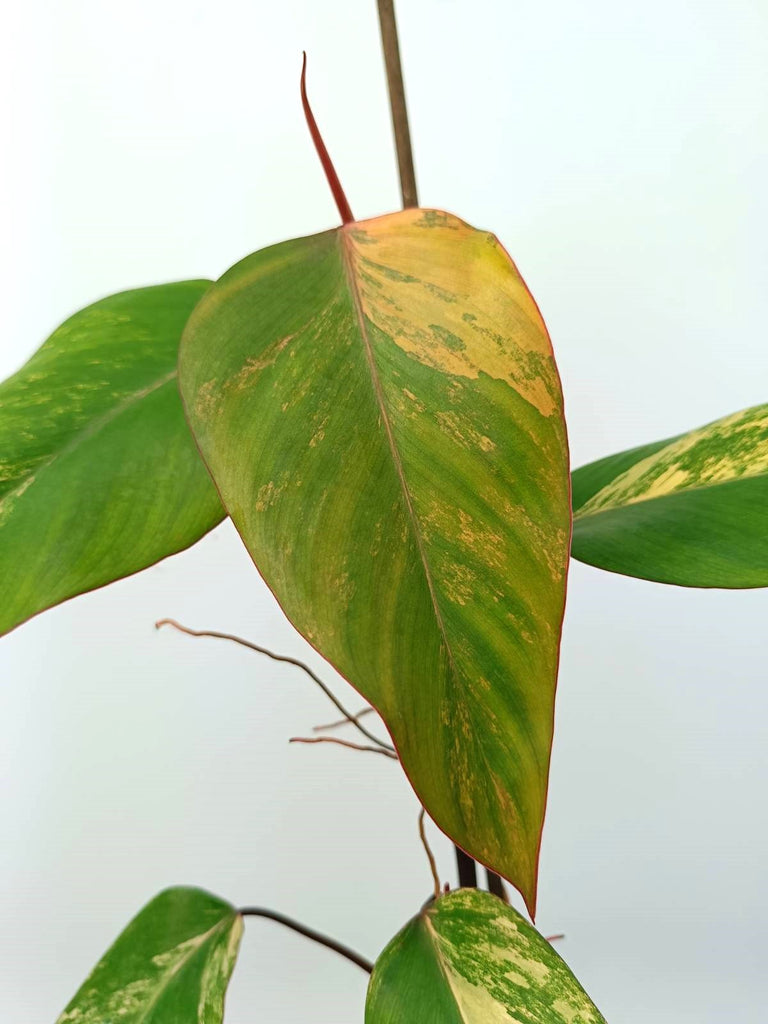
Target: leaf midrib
[
  {"x": 86, "y": 434},
  {"x": 434, "y": 939},
  {"x": 182, "y": 962},
  {"x": 348, "y": 262}
]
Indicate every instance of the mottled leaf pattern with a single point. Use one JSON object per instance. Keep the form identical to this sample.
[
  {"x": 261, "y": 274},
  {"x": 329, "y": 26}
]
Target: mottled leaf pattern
[
  {"x": 692, "y": 510},
  {"x": 99, "y": 476},
  {"x": 381, "y": 412},
  {"x": 171, "y": 965},
  {"x": 468, "y": 958}
]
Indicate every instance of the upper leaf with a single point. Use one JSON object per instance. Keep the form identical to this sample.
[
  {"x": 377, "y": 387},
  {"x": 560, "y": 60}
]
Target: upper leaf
[
  {"x": 381, "y": 412},
  {"x": 171, "y": 965},
  {"x": 99, "y": 475},
  {"x": 468, "y": 958},
  {"x": 692, "y": 510}
]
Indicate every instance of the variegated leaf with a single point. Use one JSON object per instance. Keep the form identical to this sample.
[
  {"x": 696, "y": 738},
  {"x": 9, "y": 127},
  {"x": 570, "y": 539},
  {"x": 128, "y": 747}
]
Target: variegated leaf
[
  {"x": 381, "y": 412},
  {"x": 171, "y": 965},
  {"x": 99, "y": 476},
  {"x": 468, "y": 958},
  {"x": 692, "y": 510}
]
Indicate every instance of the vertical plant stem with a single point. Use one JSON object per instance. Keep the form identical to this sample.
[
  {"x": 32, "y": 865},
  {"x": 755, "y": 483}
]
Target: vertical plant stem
[
  {"x": 467, "y": 870},
  {"x": 397, "y": 105},
  {"x": 391, "y": 47},
  {"x": 496, "y": 885}
]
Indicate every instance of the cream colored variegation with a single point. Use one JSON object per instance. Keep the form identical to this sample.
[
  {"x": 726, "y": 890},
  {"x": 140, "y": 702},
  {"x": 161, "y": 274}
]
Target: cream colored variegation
[
  {"x": 170, "y": 965},
  {"x": 468, "y": 958},
  {"x": 690, "y": 510},
  {"x": 732, "y": 448}
]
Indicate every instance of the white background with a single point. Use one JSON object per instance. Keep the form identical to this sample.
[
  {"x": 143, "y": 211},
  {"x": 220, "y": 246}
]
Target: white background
[{"x": 619, "y": 152}]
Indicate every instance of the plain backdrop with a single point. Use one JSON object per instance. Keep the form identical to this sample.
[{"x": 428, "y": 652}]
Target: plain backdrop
[{"x": 619, "y": 151}]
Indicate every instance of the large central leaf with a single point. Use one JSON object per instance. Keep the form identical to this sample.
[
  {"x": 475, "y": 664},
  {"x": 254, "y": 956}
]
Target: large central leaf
[{"x": 381, "y": 412}]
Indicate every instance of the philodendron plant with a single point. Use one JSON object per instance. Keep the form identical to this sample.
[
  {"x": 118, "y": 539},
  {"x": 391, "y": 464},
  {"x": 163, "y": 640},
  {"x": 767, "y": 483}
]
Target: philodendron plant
[{"x": 378, "y": 410}]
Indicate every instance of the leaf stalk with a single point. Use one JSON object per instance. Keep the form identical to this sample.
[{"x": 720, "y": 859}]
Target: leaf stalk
[
  {"x": 309, "y": 933},
  {"x": 332, "y": 177}
]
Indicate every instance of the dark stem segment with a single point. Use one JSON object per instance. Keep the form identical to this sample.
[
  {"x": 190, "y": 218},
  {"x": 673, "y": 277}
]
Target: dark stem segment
[
  {"x": 496, "y": 885},
  {"x": 330, "y": 171},
  {"x": 397, "y": 104},
  {"x": 309, "y": 933},
  {"x": 467, "y": 870}
]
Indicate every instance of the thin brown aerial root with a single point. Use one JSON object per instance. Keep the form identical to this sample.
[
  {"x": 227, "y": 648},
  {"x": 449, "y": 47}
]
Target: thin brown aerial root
[
  {"x": 282, "y": 658},
  {"x": 344, "y": 743},
  {"x": 430, "y": 855},
  {"x": 353, "y": 720}
]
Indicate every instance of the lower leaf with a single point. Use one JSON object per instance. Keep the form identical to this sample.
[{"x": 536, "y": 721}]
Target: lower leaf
[
  {"x": 468, "y": 958},
  {"x": 171, "y": 965}
]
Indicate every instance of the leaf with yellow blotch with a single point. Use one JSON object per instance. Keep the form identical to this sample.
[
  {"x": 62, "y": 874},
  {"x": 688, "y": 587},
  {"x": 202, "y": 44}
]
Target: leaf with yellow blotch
[
  {"x": 468, "y": 958},
  {"x": 381, "y": 412},
  {"x": 691, "y": 510}
]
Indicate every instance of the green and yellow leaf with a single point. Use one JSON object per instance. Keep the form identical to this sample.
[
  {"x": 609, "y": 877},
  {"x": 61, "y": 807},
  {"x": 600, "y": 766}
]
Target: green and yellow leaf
[
  {"x": 99, "y": 475},
  {"x": 171, "y": 965},
  {"x": 380, "y": 409},
  {"x": 692, "y": 510},
  {"x": 468, "y": 958}
]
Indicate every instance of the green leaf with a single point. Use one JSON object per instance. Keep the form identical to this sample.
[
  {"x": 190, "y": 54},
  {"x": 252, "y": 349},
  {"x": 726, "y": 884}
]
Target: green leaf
[
  {"x": 691, "y": 510},
  {"x": 381, "y": 412},
  {"x": 171, "y": 965},
  {"x": 99, "y": 475},
  {"x": 468, "y": 958}
]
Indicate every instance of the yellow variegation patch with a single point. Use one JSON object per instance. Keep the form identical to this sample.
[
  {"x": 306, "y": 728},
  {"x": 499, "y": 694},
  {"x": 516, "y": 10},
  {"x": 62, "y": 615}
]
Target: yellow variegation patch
[
  {"x": 460, "y": 323},
  {"x": 690, "y": 510},
  {"x": 732, "y": 448}
]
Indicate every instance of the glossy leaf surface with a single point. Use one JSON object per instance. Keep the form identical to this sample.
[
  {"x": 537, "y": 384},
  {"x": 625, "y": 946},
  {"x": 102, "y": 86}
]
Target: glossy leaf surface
[
  {"x": 468, "y": 958},
  {"x": 692, "y": 510},
  {"x": 381, "y": 411},
  {"x": 99, "y": 475},
  {"x": 171, "y": 965}
]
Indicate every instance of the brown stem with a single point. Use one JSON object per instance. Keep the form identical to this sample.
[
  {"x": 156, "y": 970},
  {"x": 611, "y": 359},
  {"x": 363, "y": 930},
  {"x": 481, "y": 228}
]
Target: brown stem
[
  {"x": 330, "y": 171},
  {"x": 309, "y": 933},
  {"x": 277, "y": 657},
  {"x": 391, "y": 48},
  {"x": 397, "y": 105},
  {"x": 344, "y": 743},
  {"x": 496, "y": 885}
]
